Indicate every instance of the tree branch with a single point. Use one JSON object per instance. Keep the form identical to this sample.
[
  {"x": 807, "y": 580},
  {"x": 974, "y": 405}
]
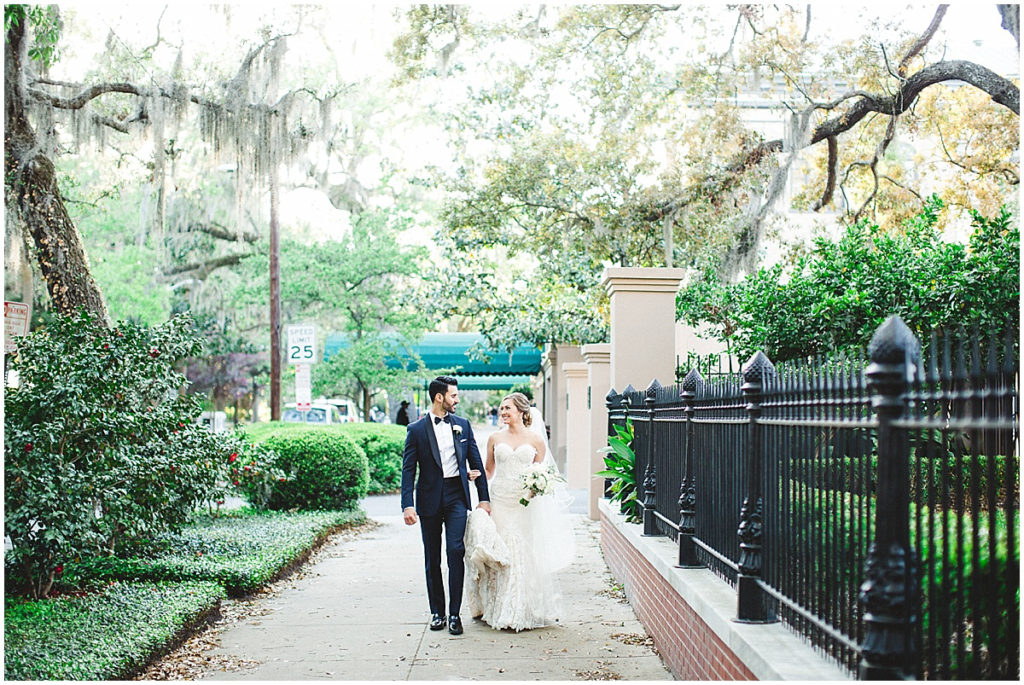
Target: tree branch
[
  {"x": 830, "y": 182},
  {"x": 203, "y": 269},
  {"x": 916, "y": 49},
  {"x": 221, "y": 232},
  {"x": 80, "y": 100},
  {"x": 1000, "y": 89}
]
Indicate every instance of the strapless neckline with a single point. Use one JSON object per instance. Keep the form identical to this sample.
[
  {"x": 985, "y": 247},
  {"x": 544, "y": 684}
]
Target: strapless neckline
[{"x": 516, "y": 449}]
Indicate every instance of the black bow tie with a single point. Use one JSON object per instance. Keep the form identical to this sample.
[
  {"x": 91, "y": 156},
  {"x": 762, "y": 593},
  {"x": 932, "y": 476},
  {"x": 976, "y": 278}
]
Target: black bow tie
[{"x": 438, "y": 419}]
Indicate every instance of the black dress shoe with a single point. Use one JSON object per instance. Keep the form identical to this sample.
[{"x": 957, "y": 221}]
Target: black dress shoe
[
  {"x": 436, "y": 622},
  {"x": 455, "y": 625}
]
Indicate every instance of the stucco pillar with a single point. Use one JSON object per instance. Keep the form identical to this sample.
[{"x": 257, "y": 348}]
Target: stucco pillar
[
  {"x": 555, "y": 400},
  {"x": 598, "y": 360},
  {"x": 577, "y": 425},
  {"x": 643, "y": 324}
]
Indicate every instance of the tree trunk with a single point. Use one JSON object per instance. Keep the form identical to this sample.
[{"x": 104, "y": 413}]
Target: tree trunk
[
  {"x": 31, "y": 185},
  {"x": 367, "y": 401}
]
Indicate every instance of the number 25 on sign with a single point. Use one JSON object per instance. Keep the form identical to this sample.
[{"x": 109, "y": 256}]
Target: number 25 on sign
[{"x": 301, "y": 344}]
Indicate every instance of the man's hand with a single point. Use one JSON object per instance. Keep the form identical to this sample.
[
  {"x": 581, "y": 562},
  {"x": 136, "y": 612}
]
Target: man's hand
[
  {"x": 410, "y": 516},
  {"x": 473, "y": 474},
  {"x": 486, "y": 506}
]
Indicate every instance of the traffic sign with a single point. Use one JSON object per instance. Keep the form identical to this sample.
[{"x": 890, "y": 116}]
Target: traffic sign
[
  {"x": 301, "y": 344},
  {"x": 303, "y": 399},
  {"x": 15, "y": 324}
]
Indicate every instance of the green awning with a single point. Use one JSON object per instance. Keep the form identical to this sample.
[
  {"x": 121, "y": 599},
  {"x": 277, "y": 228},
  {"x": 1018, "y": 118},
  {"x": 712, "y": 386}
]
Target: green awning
[
  {"x": 449, "y": 351},
  {"x": 490, "y": 382}
]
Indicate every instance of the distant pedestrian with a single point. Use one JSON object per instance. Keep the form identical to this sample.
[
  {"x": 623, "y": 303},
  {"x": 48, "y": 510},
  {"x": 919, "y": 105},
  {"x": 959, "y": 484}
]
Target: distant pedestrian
[
  {"x": 402, "y": 419},
  {"x": 494, "y": 416}
]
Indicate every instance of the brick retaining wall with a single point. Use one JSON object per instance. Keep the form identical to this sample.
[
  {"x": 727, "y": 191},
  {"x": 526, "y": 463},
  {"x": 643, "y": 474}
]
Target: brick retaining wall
[
  {"x": 688, "y": 613},
  {"x": 687, "y": 644}
]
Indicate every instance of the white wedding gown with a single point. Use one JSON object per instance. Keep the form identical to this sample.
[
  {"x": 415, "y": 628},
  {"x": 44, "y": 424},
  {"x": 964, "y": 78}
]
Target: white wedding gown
[{"x": 510, "y": 581}]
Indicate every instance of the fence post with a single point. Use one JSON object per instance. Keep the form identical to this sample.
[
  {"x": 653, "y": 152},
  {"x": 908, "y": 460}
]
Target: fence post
[
  {"x": 624, "y": 401},
  {"x": 889, "y": 592},
  {"x": 651, "y": 472},
  {"x": 688, "y": 487},
  {"x": 610, "y": 400},
  {"x": 751, "y": 604}
]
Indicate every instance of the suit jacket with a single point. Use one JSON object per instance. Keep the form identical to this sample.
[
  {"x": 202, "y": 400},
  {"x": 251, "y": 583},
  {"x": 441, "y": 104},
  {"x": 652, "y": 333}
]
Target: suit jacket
[{"x": 422, "y": 455}]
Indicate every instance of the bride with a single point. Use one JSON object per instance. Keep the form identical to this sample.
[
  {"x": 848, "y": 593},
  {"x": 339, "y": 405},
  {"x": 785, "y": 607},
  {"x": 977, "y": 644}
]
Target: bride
[{"x": 514, "y": 554}]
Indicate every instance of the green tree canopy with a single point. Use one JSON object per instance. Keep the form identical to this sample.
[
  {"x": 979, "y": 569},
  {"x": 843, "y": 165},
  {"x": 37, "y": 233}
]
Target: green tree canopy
[{"x": 836, "y": 294}]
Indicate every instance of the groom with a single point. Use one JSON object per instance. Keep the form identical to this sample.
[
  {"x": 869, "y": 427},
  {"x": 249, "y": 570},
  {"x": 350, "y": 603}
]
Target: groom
[{"x": 441, "y": 447}]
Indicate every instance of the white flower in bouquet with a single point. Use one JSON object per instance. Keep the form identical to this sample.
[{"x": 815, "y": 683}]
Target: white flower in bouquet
[{"x": 538, "y": 480}]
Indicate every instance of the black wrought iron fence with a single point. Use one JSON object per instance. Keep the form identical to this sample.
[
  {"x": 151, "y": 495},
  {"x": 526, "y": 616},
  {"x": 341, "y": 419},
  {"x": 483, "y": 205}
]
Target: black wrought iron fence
[{"x": 871, "y": 505}]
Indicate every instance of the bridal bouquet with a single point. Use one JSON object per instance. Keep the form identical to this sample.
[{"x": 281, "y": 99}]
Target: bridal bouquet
[{"x": 538, "y": 480}]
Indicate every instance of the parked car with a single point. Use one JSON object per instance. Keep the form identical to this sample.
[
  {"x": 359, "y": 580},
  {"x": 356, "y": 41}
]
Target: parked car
[
  {"x": 347, "y": 408},
  {"x": 379, "y": 416},
  {"x": 319, "y": 412}
]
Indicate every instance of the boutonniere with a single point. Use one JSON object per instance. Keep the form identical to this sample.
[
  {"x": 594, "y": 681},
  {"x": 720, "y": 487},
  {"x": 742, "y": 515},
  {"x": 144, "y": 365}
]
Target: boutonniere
[{"x": 457, "y": 429}]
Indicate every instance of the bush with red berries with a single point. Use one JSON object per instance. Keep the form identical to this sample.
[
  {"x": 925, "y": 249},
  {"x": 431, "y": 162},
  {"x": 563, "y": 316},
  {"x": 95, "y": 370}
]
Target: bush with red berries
[{"x": 101, "y": 444}]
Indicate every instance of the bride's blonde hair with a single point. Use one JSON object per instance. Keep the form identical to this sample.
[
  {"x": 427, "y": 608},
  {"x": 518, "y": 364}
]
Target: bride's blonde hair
[{"x": 520, "y": 402}]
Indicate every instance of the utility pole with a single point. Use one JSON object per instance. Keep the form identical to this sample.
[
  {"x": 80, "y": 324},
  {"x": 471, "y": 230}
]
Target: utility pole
[{"x": 275, "y": 302}]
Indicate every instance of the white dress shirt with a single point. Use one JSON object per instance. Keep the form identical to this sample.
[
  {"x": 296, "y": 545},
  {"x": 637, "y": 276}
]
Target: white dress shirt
[{"x": 445, "y": 446}]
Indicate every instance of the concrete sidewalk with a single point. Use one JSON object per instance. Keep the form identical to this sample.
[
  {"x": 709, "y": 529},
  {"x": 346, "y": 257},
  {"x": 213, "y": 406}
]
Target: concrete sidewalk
[{"x": 359, "y": 612}]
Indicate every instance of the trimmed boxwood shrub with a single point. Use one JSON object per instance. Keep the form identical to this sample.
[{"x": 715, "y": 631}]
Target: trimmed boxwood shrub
[
  {"x": 383, "y": 444},
  {"x": 326, "y": 469},
  {"x": 109, "y": 635},
  {"x": 242, "y": 550}
]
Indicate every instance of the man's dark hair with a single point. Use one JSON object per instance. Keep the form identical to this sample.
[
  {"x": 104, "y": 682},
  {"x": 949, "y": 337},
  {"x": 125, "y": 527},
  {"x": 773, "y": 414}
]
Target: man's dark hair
[{"x": 440, "y": 385}]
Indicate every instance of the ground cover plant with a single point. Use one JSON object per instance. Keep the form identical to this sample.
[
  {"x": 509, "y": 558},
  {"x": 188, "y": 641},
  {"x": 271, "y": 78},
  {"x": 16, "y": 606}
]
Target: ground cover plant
[
  {"x": 105, "y": 635},
  {"x": 241, "y": 550}
]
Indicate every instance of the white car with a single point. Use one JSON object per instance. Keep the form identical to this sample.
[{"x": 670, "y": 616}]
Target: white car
[
  {"x": 319, "y": 413},
  {"x": 349, "y": 412}
]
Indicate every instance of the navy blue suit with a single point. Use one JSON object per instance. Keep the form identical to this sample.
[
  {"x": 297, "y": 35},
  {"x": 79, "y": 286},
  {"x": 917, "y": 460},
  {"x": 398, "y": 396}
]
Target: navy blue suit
[{"x": 440, "y": 503}]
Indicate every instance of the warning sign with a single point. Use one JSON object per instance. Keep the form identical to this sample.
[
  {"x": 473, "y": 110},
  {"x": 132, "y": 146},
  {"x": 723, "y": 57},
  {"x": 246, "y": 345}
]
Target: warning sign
[{"x": 15, "y": 324}]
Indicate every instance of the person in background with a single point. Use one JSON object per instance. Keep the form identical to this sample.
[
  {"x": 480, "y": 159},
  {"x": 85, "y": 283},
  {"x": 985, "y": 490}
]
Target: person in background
[{"x": 402, "y": 419}]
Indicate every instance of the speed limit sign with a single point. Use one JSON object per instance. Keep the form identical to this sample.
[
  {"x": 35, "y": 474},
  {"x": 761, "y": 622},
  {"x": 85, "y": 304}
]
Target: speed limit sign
[{"x": 301, "y": 344}]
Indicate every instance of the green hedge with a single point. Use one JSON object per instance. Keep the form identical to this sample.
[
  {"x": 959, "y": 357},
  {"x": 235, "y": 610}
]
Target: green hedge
[
  {"x": 845, "y": 473},
  {"x": 383, "y": 444},
  {"x": 327, "y": 469},
  {"x": 970, "y": 589},
  {"x": 241, "y": 551},
  {"x": 105, "y": 636}
]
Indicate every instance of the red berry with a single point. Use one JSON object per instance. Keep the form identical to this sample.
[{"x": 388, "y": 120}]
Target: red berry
[
  {"x": 234, "y": 455},
  {"x": 106, "y": 346},
  {"x": 235, "y": 482},
  {"x": 28, "y": 447},
  {"x": 154, "y": 353},
  {"x": 59, "y": 569}
]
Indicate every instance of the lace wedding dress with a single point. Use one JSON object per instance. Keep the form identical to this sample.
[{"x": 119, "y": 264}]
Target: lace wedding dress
[{"x": 510, "y": 574}]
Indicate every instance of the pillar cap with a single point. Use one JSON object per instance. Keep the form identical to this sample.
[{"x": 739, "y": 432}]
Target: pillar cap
[
  {"x": 574, "y": 369},
  {"x": 642, "y": 279}
]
